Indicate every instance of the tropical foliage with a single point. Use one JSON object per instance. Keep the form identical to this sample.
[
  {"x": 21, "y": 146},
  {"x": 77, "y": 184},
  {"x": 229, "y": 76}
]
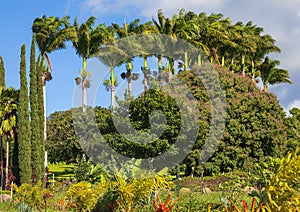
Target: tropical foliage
[
  {"x": 282, "y": 188},
  {"x": 250, "y": 113},
  {"x": 256, "y": 136}
]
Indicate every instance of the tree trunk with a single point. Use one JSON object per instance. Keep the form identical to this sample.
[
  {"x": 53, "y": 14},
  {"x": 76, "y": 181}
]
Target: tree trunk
[
  {"x": 253, "y": 71},
  {"x": 112, "y": 81},
  {"x": 171, "y": 63},
  {"x": 265, "y": 87},
  {"x": 42, "y": 145},
  {"x": 232, "y": 63},
  {"x": 145, "y": 63},
  {"x": 159, "y": 58},
  {"x": 129, "y": 79},
  {"x": 186, "y": 61},
  {"x": 2, "y": 171},
  {"x": 243, "y": 64},
  {"x": 83, "y": 85},
  {"x": 199, "y": 60},
  {"x": 7, "y": 162},
  {"x": 145, "y": 82}
]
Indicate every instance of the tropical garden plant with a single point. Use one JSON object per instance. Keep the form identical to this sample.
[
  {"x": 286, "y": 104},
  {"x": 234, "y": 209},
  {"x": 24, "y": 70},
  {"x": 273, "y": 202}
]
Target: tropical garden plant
[{"x": 256, "y": 126}]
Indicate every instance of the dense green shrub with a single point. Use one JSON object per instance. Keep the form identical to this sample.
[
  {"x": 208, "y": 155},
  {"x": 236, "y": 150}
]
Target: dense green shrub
[{"x": 255, "y": 127}]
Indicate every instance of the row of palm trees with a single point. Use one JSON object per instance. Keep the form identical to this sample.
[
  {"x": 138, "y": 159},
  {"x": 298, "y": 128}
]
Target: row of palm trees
[{"x": 242, "y": 48}]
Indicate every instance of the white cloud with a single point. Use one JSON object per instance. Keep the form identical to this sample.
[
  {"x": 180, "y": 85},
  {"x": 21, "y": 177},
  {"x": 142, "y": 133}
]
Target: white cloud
[
  {"x": 67, "y": 8},
  {"x": 295, "y": 103},
  {"x": 146, "y": 8},
  {"x": 173, "y": 7}
]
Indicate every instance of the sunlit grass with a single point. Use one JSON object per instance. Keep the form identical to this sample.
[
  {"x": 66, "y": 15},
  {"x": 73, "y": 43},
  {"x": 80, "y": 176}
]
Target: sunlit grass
[{"x": 61, "y": 171}]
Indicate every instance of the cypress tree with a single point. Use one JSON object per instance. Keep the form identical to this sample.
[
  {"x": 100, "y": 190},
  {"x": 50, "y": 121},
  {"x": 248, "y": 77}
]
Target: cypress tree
[
  {"x": 23, "y": 125},
  {"x": 35, "y": 134},
  {"x": 2, "y": 73},
  {"x": 40, "y": 93}
]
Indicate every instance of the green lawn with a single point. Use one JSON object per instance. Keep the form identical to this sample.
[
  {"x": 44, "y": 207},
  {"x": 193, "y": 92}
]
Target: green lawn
[{"x": 61, "y": 171}]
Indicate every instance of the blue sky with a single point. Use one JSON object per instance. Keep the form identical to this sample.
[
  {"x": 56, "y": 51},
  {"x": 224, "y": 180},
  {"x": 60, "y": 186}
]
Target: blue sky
[{"x": 278, "y": 18}]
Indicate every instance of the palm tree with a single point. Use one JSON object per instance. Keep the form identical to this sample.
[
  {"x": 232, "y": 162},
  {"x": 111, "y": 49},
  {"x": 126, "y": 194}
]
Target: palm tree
[
  {"x": 272, "y": 75},
  {"x": 265, "y": 45},
  {"x": 164, "y": 25},
  {"x": 110, "y": 84},
  {"x": 214, "y": 35},
  {"x": 186, "y": 28},
  {"x": 247, "y": 39},
  {"x": 8, "y": 114},
  {"x": 122, "y": 32},
  {"x": 51, "y": 34},
  {"x": 111, "y": 56},
  {"x": 129, "y": 76},
  {"x": 87, "y": 42}
]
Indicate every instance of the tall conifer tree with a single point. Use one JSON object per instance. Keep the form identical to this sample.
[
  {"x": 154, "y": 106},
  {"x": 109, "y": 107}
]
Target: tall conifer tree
[
  {"x": 35, "y": 133},
  {"x": 2, "y": 73},
  {"x": 23, "y": 125}
]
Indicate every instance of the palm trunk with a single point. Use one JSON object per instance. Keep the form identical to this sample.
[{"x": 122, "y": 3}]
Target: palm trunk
[
  {"x": 171, "y": 63},
  {"x": 159, "y": 63},
  {"x": 45, "y": 128},
  {"x": 170, "y": 68},
  {"x": 83, "y": 85},
  {"x": 243, "y": 64},
  {"x": 7, "y": 161},
  {"x": 253, "y": 71},
  {"x": 145, "y": 80},
  {"x": 112, "y": 80},
  {"x": 215, "y": 56},
  {"x": 265, "y": 87},
  {"x": 129, "y": 78},
  {"x": 186, "y": 61},
  {"x": 2, "y": 172},
  {"x": 145, "y": 62},
  {"x": 232, "y": 63},
  {"x": 199, "y": 60},
  {"x": 253, "y": 77}
]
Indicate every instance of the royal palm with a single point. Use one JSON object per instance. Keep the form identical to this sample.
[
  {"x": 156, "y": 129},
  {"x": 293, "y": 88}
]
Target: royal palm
[{"x": 87, "y": 42}]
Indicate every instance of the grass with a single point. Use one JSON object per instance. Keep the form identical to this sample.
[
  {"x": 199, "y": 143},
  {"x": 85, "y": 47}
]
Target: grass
[
  {"x": 61, "y": 171},
  {"x": 8, "y": 206}
]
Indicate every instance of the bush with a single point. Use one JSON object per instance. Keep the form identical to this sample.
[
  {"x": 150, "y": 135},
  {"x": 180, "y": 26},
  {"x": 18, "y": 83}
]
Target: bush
[
  {"x": 28, "y": 197},
  {"x": 282, "y": 190}
]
